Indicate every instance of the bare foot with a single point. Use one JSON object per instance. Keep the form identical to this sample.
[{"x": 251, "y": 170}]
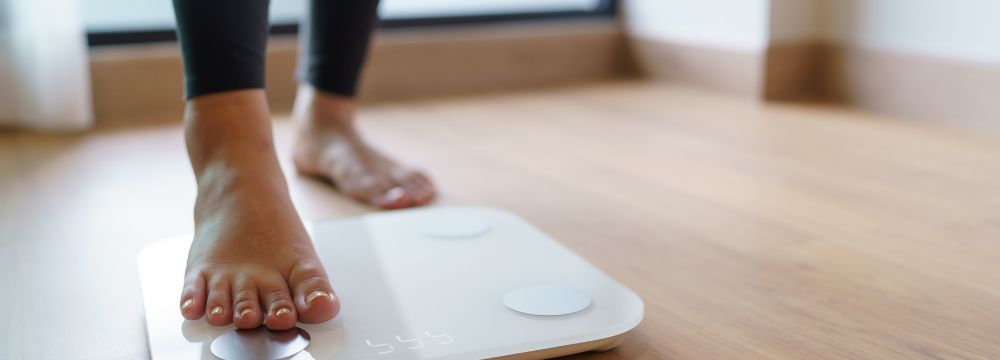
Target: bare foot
[
  {"x": 329, "y": 147},
  {"x": 251, "y": 261}
]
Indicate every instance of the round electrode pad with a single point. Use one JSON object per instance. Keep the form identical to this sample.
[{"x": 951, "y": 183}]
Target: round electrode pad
[
  {"x": 260, "y": 343},
  {"x": 546, "y": 300},
  {"x": 453, "y": 226}
]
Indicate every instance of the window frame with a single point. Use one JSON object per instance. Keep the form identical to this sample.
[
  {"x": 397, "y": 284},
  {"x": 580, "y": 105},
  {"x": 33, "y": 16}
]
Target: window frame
[{"x": 605, "y": 9}]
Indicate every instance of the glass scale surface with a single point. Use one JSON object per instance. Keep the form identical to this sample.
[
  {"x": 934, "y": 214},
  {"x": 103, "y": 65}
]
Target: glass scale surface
[{"x": 432, "y": 283}]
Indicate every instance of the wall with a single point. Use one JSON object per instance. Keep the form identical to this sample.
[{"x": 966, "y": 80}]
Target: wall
[
  {"x": 936, "y": 61},
  {"x": 793, "y": 61},
  {"x": 8, "y": 109},
  {"x": 730, "y": 24},
  {"x": 43, "y": 74},
  {"x": 956, "y": 29},
  {"x": 8, "y": 70},
  {"x": 792, "y": 21},
  {"x": 930, "y": 60},
  {"x": 716, "y": 44}
]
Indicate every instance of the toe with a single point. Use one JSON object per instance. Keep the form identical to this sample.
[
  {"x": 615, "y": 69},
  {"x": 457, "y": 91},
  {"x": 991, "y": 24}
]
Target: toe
[
  {"x": 278, "y": 303},
  {"x": 378, "y": 191},
  {"x": 219, "y": 305},
  {"x": 246, "y": 304},
  {"x": 193, "y": 297},
  {"x": 394, "y": 198},
  {"x": 314, "y": 297},
  {"x": 418, "y": 187},
  {"x": 425, "y": 181}
]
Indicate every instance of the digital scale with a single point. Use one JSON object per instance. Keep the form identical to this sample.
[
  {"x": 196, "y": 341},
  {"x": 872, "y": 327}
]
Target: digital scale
[{"x": 432, "y": 283}]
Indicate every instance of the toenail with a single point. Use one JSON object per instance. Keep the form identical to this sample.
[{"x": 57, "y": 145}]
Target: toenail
[
  {"x": 215, "y": 310},
  {"x": 282, "y": 311},
  {"x": 317, "y": 294},
  {"x": 187, "y": 303},
  {"x": 245, "y": 312},
  {"x": 393, "y": 194}
]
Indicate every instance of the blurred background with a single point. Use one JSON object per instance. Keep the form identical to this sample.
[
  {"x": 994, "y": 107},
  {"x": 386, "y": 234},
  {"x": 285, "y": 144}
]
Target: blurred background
[
  {"x": 104, "y": 16},
  {"x": 776, "y": 178},
  {"x": 880, "y": 55}
]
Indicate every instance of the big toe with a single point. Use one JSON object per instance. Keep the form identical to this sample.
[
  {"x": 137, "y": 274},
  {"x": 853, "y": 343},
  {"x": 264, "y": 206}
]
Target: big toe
[
  {"x": 395, "y": 197},
  {"x": 418, "y": 186},
  {"x": 314, "y": 297}
]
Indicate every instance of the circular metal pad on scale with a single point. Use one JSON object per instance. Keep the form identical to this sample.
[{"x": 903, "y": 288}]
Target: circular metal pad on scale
[
  {"x": 260, "y": 344},
  {"x": 454, "y": 226},
  {"x": 547, "y": 300}
]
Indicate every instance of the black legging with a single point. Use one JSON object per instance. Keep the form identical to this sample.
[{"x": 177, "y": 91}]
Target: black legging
[{"x": 224, "y": 43}]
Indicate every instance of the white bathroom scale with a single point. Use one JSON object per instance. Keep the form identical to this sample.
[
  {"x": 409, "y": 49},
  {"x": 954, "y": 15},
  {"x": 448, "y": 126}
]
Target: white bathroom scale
[{"x": 433, "y": 283}]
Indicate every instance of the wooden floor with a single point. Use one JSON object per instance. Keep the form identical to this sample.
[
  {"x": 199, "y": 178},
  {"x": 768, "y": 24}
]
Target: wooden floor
[{"x": 751, "y": 231}]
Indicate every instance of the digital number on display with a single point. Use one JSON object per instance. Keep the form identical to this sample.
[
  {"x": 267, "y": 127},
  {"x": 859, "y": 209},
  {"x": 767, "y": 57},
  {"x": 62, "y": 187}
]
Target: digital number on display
[{"x": 429, "y": 339}]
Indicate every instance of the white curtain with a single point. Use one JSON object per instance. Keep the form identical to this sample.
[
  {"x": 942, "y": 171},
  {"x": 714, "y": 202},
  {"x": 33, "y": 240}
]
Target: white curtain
[{"x": 44, "y": 72}]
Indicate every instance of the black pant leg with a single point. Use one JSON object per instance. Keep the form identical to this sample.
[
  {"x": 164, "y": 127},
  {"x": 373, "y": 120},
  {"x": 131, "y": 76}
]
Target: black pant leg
[
  {"x": 334, "y": 42},
  {"x": 224, "y": 44}
]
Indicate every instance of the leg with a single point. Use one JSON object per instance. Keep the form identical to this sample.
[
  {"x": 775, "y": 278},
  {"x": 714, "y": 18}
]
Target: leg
[
  {"x": 240, "y": 269},
  {"x": 335, "y": 37}
]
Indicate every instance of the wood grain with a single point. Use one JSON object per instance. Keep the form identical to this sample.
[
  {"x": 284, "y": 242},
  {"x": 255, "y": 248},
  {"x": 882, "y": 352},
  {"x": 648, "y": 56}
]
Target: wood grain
[{"x": 750, "y": 230}]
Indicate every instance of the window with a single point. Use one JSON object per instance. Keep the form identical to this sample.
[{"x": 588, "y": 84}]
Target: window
[{"x": 129, "y": 21}]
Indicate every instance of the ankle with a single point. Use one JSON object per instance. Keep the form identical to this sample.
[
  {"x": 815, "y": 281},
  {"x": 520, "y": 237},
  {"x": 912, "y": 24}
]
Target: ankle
[
  {"x": 230, "y": 128},
  {"x": 320, "y": 110},
  {"x": 233, "y": 100}
]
